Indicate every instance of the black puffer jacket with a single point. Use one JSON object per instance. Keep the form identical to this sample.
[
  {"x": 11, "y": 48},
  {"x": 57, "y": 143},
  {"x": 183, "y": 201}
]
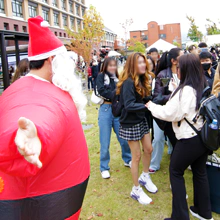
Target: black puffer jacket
[{"x": 160, "y": 89}]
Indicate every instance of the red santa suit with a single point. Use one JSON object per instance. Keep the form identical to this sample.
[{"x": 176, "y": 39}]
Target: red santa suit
[{"x": 55, "y": 191}]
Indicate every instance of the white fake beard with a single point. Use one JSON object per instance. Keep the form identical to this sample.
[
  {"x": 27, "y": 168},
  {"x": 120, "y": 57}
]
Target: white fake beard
[{"x": 65, "y": 78}]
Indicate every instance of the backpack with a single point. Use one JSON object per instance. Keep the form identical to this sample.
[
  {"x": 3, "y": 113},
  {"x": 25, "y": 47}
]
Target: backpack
[
  {"x": 116, "y": 105},
  {"x": 209, "y": 110}
]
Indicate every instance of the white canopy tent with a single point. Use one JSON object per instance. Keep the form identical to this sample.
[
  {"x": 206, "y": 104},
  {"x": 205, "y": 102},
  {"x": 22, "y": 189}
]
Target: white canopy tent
[
  {"x": 113, "y": 53},
  {"x": 162, "y": 45}
]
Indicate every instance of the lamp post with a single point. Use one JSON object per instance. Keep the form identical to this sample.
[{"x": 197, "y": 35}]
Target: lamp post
[{"x": 125, "y": 26}]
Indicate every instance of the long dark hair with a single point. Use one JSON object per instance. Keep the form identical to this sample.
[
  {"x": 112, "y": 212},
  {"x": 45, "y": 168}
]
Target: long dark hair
[
  {"x": 21, "y": 70},
  {"x": 165, "y": 61},
  {"x": 192, "y": 74},
  {"x": 106, "y": 63}
]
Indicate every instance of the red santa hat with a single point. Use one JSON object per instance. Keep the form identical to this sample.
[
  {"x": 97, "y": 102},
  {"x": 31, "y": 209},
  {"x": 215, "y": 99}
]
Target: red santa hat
[{"x": 42, "y": 42}]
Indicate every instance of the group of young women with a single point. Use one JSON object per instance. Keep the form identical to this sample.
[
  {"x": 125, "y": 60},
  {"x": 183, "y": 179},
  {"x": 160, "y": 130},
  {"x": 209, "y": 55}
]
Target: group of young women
[{"x": 172, "y": 102}]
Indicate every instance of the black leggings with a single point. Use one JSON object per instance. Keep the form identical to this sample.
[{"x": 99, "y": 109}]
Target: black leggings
[{"x": 189, "y": 152}]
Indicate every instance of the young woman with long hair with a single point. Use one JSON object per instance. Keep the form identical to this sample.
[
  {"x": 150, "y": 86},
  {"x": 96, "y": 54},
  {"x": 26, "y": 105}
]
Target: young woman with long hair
[
  {"x": 166, "y": 69},
  {"x": 134, "y": 88},
  {"x": 21, "y": 70},
  {"x": 189, "y": 149},
  {"x": 106, "y": 84}
]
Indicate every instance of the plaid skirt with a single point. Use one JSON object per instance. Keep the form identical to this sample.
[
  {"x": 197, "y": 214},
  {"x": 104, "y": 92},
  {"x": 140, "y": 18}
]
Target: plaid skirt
[{"x": 134, "y": 133}]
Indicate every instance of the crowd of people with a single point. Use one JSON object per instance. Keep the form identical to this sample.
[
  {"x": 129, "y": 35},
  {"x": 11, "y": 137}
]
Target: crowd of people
[
  {"x": 158, "y": 93},
  {"x": 149, "y": 103}
]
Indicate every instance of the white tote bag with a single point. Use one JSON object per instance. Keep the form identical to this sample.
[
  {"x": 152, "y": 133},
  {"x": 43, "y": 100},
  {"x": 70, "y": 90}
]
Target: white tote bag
[{"x": 96, "y": 100}]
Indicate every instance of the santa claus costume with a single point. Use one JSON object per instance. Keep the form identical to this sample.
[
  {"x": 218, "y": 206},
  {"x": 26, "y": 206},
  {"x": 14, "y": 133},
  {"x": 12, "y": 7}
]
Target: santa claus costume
[{"x": 44, "y": 165}]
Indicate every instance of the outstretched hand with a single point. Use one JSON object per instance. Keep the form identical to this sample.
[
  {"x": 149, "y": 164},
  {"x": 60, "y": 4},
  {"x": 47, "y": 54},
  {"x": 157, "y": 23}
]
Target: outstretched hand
[{"x": 27, "y": 141}]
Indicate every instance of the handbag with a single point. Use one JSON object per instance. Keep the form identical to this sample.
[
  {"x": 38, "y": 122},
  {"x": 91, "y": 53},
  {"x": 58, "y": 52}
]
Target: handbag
[{"x": 96, "y": 100}]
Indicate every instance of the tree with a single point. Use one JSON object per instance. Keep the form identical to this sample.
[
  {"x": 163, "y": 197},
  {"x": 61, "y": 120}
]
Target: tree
[
  {"x": 194, "y": 34},
  {"x": 212, "y": 27},
  {"x": 137, "y": 47},
  {"x": 176, "y": 44},
  {"x": 87, "y": 39}
]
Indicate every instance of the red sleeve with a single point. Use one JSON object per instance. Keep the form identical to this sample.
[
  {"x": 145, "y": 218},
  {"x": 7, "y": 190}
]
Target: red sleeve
[{"x": 50, "y": 121}]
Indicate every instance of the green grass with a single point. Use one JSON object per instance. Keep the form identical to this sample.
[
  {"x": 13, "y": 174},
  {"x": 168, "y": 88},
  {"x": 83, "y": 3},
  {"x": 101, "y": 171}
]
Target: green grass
[{"x": 109, "y": 199}]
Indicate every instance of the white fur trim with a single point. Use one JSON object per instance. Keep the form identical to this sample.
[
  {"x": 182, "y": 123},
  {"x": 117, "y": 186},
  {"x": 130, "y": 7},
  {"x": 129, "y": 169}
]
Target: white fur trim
[
  {"x": 43, "y": 56},
  {"x": 44, "y": 24}
]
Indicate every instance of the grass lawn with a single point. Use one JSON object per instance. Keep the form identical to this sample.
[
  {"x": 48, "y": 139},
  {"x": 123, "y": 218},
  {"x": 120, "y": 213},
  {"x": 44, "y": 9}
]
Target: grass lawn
[{"x": 109, "y": 199}]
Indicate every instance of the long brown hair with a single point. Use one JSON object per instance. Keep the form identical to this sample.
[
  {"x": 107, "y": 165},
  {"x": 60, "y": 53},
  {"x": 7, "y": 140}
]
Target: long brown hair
[
  {"x": 21, "y": 69},
  {"x": 107, "y": 61},
  {"x": 141, "y": 83}
]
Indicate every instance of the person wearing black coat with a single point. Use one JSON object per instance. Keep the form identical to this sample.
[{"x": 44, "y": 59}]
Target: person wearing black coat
[
  {"x": 106, "y": 85},
  {"x": 165, "y": 75}
]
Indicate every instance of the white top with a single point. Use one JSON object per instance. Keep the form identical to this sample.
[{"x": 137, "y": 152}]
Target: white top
[
  {"x": 181, "y": 106},
  {"x": 37, "y": 77}
]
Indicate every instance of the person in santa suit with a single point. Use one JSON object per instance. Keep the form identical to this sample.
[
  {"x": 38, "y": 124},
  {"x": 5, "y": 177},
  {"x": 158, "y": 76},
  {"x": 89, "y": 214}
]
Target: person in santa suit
[{"x": 44, "y": 164}]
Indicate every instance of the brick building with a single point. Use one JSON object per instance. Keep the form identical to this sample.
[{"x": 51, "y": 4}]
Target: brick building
[
  {"x": 168, "y": 32},
  {"x": 59, "y": 13}
]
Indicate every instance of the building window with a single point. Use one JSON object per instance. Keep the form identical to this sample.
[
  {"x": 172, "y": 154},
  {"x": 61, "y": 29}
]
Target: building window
[
  {"x": 146, "y": 45},
  {"x": 63, "y": 4},
  {"x": 64, "y": 21},
  {"x": 17, "y": 8},
  {"x": 64, "y": 34},
  {"x": 78, "y": 24},
  {"x": 56, "y": 18},
  {"x": 162, "y": 36},
  {"x": 60, "y": 34},
  {"x": 45, "y": 13},
  {"x": 72, "y": 23},
  {"x": 77, "y": 10},
  {"x": 24, "y": 28},
  {"x": 55, "y": 33},
  {"x": 134, "y": 36},
  {"x": 83, "y": 11},
  {"x": 15, "y": 27},
  {"x": 6, "y": 26},
  {"x": 2, "y": 7},
  {"x": 45, "y": 1},
  {"x": 145, "y": 37},
  {"x": 54, "y": 3},
  {"x": 161, "y": 27},
  {"x": 152, "y": 26},
  {"x": 32, "y": 9},
  {"x": 71, "y": 6}
]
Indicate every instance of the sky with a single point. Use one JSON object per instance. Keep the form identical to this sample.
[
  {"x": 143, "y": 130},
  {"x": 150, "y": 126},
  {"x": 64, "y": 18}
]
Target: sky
[{"x": 115, "y": 12}]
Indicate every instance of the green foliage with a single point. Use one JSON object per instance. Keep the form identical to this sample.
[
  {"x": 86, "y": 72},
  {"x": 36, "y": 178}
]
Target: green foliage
[
  {"x": 212, "y": 27},
  {"x": 137, "y": 47},
  {"x": 89, "y": 38},
  {"x": 176, "y": 44},
  {"x": 194, "y": 34}
]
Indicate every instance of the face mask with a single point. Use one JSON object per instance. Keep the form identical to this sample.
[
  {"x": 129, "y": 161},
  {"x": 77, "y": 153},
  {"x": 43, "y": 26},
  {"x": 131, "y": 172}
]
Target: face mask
[{"x": 206, "y": 66}]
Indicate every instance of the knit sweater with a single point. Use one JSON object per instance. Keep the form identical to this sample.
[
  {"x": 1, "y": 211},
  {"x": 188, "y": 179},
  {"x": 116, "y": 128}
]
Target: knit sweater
[{"x": 181, "y": 105}]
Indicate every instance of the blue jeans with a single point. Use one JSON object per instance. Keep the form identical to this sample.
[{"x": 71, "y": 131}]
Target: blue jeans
[
  {"x": 106, "y": 122},
  {"x": 158, "y": 147}
]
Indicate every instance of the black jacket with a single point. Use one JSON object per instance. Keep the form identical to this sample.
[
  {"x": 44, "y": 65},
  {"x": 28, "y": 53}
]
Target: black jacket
[
  {"x": 106, "y": 91},
  {"x": 210, "y": 78},
  {"x": 160, "y": 89},
  {"x": 95, "y": 71},
  {"x": 133, "y": 107}
]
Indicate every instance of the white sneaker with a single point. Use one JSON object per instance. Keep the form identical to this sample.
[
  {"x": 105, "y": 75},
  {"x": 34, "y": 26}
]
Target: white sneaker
[
  {"x": 105, "y": 174},
  {"x": 196, "y": 215},
  {"x": 145, "y": 180},
  {"x": 214, "y": 158},
  {"x": 140, "y": 196},
  {"x": 128, "y": 164}
]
